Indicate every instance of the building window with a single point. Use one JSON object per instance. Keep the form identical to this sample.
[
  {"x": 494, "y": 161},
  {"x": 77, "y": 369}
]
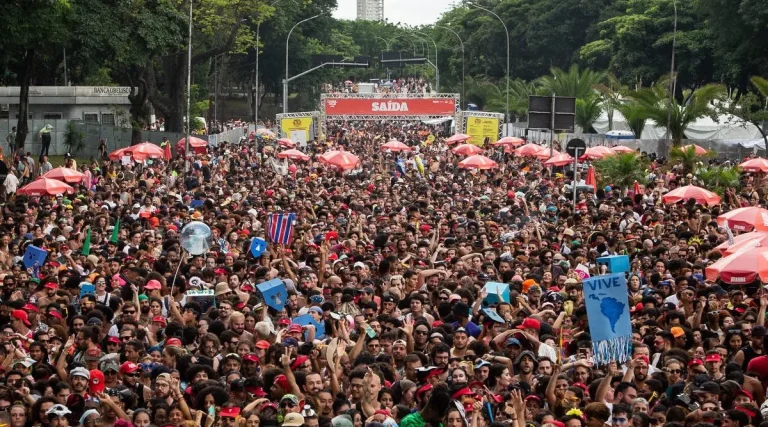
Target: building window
[
  {"x": 91, "y": 117},
  {"x": 53, "y": 116},
  {"x": 108, "y": 119}
]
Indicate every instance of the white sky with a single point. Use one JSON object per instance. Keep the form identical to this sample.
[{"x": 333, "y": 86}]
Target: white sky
[{"x": 410, "y": 12}]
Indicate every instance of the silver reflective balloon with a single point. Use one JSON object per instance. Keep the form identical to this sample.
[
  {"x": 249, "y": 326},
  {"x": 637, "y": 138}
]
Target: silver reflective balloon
[{"x": 196, "y": 238}]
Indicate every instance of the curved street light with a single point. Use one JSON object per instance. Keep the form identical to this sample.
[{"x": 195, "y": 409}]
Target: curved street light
[
  {"x": 461, "y": 42},
  {"x": 287, "y": 39},
  {"x": 437, "y": 69}
]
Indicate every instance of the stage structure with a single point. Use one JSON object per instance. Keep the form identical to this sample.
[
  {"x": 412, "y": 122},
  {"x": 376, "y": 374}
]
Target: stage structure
[
  {"x": 481, "y": 125},
  {"x": 302, "y": 127}
]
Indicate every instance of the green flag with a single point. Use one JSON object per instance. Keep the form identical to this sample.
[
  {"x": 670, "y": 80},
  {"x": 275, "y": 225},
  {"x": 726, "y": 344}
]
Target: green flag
[
  {"x": 87, "y": 243},
  {"x": 115, "y": 232}
]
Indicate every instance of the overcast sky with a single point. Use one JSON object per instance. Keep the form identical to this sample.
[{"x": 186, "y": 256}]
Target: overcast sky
[{"x": 411, "y": 12}]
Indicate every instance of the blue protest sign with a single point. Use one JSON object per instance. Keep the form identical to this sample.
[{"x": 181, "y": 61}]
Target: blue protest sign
[
  {"x": 34, "y": 256},
  {"x": 493, "y": 315},
  {"x": 608, "y": 315},
  {"x": 274, "y": 292},
  {"x": 258, "y": 247},
  {"x": 497, "y": 293},
  {"x": 307, "y": 319},
  {"x": 87, "y": 289},
  {"x": 195, "y": 203}
]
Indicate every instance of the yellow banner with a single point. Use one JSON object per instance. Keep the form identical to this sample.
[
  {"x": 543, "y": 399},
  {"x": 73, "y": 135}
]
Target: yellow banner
[
  {"x": 298, "y": 128},
  {"x": 480, "y": 128}
]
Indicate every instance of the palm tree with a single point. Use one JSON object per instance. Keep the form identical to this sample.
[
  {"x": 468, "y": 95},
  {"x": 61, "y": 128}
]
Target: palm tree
[
  {"x": 621, "y": 170},
  {"x": 761, "y": 84},
  {"x": 660, "y": 109},
  {"x": 611, "y": 95},
  {"x": 719, "y": 178},
  {"x": 491, "y": 96},
  {"x": 587, "y": 111},
  {"x": 686, "y": 157},
  {"x": 579, "y": 84},
  {"x": 634, "y": 114}
]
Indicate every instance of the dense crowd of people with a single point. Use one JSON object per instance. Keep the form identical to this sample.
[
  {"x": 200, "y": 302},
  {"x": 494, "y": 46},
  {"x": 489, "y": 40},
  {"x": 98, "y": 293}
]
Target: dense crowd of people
[
  {"x": 401, "y": 85},
  {"x": 385, "y": 319}
]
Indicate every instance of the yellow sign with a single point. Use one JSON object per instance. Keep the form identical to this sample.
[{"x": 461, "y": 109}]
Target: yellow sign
[
  {"x": 297, "y": 129},
  {"x": 480, "y": 128}
]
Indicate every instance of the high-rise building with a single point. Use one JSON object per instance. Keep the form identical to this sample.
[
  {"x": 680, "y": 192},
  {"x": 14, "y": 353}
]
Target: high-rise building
[{"x": 370, "y": 10}]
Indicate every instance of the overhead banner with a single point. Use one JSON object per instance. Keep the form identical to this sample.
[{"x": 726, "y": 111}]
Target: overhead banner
[
  {"x": 480, "y": 128},
  {"x": 298, "y": 129},
  {"x": 390, "y": 106}
]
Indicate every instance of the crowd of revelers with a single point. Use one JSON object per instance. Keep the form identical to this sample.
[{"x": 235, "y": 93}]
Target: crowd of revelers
[
  {"x": 401, "y": 85},
  {"x": 390, "y": 267}
]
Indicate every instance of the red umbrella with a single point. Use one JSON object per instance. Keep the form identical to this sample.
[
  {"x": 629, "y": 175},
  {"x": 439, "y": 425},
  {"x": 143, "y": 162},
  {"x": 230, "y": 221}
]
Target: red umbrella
[
  {"x": 145, "y": 150},
  {"x": 528, "y": 150},
  {"x": 64, "y": 174},
  {"x": 286, "y": 142},
  {"x": 292, "y": 154},
  {"x": 510, "y": 141},
  {"x": 194, "y": 142},
  {"x": 741, "y": 267},
  {"x": 594, "y": 153},
  {"x": 459, "y": 137},
  {"x": 590, "y": 179},
  {"x": 702, "y": 196},
  {"x": 623, "y": 149},
  {"x": 544, "y": 153},
  {"x": 477, "y": 161},
  {"x": 467, "y": 150},
  {"x": 745, "y": 219},
  {"x": 559, "y": 160},
  {"x": 754, "y": 238},
  {"x": 700, "y": 151},
  {"x": 340, "y": 159},
  {"x": 45, "y": 186},
  {"x": 755, "y": 165},
  {"x": 118, "y": 154},
  {"x": 395, "y": 145}
]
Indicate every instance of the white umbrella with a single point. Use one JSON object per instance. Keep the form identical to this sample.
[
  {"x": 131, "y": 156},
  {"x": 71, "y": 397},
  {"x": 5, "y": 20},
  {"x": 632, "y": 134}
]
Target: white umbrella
[{"x": 620, "y": 134}]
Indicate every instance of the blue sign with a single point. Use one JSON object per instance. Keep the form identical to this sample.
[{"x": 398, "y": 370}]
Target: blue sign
[
  {"x": 87, "y": 289},
  {"x": 608, "y": 315},
  {"x": 258, "y": 247},
  {"x": 274, "y": 292},
  {"x": 34, "y": 256},
  {"x": 307, "y": 319},
  {"x": 497, "y": 293}
]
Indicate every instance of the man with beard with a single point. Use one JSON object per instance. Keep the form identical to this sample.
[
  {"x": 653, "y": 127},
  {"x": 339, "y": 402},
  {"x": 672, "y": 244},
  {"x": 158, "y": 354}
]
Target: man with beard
[
  {"x": 755, "y": 346},
  {"x": 313, "y": 385},
  {"x": 399, "y": 351},
  {"x": 237, "y": 324},
  {"x": 526, "y": 366},
  {"x": 225, "y": 311},
  {"x": 460, "y": 342},
  {"x": 85, "y": 339},
  {"x": 229, "y": 342},
  {"x": 324, "y": 401},
  {"x": 163, "y": 388},
  {"x": 78, "y": 379}
]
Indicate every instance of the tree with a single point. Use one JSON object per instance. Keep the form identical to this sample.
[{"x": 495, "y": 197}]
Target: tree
[
  {"x": 751, "y": 107},
  {"x": 687, "y": 157},
  {"x": 674, "y": 115},
  {"x": 634, "y": 114},
  {"x": 611, "y": 94},
  {"x": 587, "y": 111},
  {"x": 719, "y": 178},
  {"x": 621, "y": 170},
  {"x": 579, "y": 84},
  {"x": 35, "y": 29}
]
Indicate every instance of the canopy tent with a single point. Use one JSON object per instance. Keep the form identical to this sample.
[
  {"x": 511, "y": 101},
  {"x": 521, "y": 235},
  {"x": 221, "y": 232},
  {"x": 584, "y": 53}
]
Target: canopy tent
[{"x": 726, "y": 127}]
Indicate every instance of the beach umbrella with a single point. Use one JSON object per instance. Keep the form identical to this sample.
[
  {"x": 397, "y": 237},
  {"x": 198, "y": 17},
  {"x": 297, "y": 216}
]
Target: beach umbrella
[
  {"x": 477, "y": 161},
  {"x": 755, "y": 165},
  {"x": 559, "y": 160},
  {"x": 511, "y": 141},
  {"x": 741, "y": 267},
  {"x": 594, "y": 153},
  {"x": 620, "y": 134},
  {"x": 745, "y": 219},
  {"x": 623, "y": 149},
  {"x": 65, "y": 174},
  {"x": 700, "y": 151},
  {"x": 145, "y": 150},
  {"x": 466, "y": 150},
  {"x": 265, "y": 133},
  {"x": 293, "y": 154},
  {"x": 753, "y": 238},
  {"x": 701, "y": 195},
  {"x": 340, "y": 159},
  {"x": 544, "y": 154},
  {"x": 286, "y": 142},
  {"x": 118, "y": 154},
  {"x": 459, "y": 137},
  {"x": 45, "y": 187},
  {"x": 590, "y": 179},
  {"x": 528, "y": 150},
  {"x": 395, "y": 145}
]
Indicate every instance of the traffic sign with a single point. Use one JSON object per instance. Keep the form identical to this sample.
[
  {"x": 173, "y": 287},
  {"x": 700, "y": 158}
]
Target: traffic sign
[{"x": 576, "y": 144}]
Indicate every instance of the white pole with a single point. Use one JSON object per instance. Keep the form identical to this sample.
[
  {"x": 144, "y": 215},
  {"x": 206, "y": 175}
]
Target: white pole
[
  {"x": 506, "y": 31},
  {"x": 189, "y": 88},
  {"x": 285, "y": 82}
]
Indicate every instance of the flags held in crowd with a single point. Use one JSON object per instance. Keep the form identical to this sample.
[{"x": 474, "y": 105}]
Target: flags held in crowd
[
  {"x": 280, "y": 227},
  {"x": 608, "y": 316}
]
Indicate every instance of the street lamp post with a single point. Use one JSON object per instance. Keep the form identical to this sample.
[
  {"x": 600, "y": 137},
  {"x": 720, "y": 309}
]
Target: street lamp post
[
  {"x": 384, "y": 40},
  {"x": 506, "y": 119},
  {"x": 437, "y": 69},
  {"x": 258, "y": 53},
  {"x": 423, "y": 42},
  {"x": 285, "y": 82},
  {"x": 461, "y": 42},
  {"x": 672, "y": 77},
  {"x": 189, "y": 88}
]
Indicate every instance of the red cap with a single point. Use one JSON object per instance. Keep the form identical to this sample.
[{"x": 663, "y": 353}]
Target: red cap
[
  {"x": 51, "y": 285},
  {"x": 96, "y": 382},
  {"x": 331, "y": 235},
  {"x": 263, "y": 345},
  {"x": 424, "y": 389},
  {"x": 425, "y": 228},
  {"x": 31, "y": 307},
  {"x": 160, "y": 319},
  {"x": 298, "y": 362},
  {"x": 282, "y": 381},
  {"x": 256, "y": 391},
  {"x": 247, "y": 288},
  {"x": 231, "y": 412},
  {"x": 153, "y": 284},
  {"x": 466, "y": 391},
  {"x": 530, "y": 323},
  {"x": 173, "y": 342},
  {"x": 21, "y": 315},
  {"x": 172, "y": 227},
  {"x": 250, "y": 357},
  {"x": 745, "y": 393},
  {"x": 114, "y": 340},
  {"x": 55, "y": 314},
  {"x": 128, "y": 368},
  {"x": 294, "y": 328},
  {"x": 269, "y": 193},
  {"x": 284, "y": 321},
  {"x": 714, "y": 357},
  {"x": 695, "y": 362}
]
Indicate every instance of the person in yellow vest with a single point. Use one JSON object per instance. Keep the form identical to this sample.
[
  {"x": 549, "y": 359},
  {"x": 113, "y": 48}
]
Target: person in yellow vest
[{"x": 45, "y": 139}]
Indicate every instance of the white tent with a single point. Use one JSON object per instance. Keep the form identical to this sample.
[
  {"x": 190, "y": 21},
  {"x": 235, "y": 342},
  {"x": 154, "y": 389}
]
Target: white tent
[
  {"x": 726, "y": 127},
  {"x": 620, "y": 123}
]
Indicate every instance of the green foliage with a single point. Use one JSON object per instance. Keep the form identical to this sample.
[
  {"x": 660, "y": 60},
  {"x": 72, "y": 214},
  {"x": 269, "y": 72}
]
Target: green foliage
[
  {"x": 74, "y": 140},
  {"x": 621, "y": 170},
  {"x": 634, "y": 114},
  {"x": 587, "y": 111},
  {"x": 719, "y": 178},
  {"x": 579, "y": 84},
  {"x": 687, "y": 157}
]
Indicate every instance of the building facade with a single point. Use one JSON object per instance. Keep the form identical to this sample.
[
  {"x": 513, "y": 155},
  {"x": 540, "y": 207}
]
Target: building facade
[
  {"x": 370, "y": 10},
  {"x": 103, "y": 104}
]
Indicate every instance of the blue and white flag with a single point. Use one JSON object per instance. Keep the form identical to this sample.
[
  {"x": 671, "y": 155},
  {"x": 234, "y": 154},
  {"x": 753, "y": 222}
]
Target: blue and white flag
[
  {"x": 400, "y": 166},
  {"x": 280, "y": 227},
  {"x": 608, "y": 315}
]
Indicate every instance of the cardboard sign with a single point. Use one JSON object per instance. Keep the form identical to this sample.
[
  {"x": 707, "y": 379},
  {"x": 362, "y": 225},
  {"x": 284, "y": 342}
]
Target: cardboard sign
[
  {"x": 497, "y": 293},
  {"x": 258, "y": 247},
  {"x": 307, "y": 319},
  {"x": 87, "y": 289},
  {"x": 34, "y": 256},
  {"x": 204, "y": 297},
  {"x": 274, "y": 292}
]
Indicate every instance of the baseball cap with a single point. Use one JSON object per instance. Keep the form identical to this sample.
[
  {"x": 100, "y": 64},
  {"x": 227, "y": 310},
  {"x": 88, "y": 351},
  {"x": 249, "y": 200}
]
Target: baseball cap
[
  {"x": 714, "y": 357},
  {"x": 93, "y": 354},
  {"x": 230, "y": 412},
  {"x": 262, "y": 344},
  {"x": 153, "y": 284},
  {"x": 96, "y": 382},
  {"x": 293, "y": 420},
  {"x": 709, "y": 387},
  {"x": 80, "y": 372},
  {"x": 128, "y": 368},
  {"x": 21, "y": 315}
]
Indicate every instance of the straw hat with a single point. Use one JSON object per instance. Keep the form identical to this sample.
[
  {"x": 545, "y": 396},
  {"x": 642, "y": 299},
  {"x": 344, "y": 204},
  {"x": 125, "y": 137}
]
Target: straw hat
[{"x": 222, "y": 288}]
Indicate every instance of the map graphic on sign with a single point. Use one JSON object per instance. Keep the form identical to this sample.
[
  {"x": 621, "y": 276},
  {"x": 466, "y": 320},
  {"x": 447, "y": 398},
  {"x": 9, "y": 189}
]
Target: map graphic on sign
[{"x": 610, "y": 308}]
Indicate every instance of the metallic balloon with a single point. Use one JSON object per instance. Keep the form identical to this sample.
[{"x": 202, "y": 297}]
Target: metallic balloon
[{"x": 196, "y": 238}]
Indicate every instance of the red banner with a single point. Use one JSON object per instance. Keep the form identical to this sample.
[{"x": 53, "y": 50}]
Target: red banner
[{"x": 390, "y": 106}]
